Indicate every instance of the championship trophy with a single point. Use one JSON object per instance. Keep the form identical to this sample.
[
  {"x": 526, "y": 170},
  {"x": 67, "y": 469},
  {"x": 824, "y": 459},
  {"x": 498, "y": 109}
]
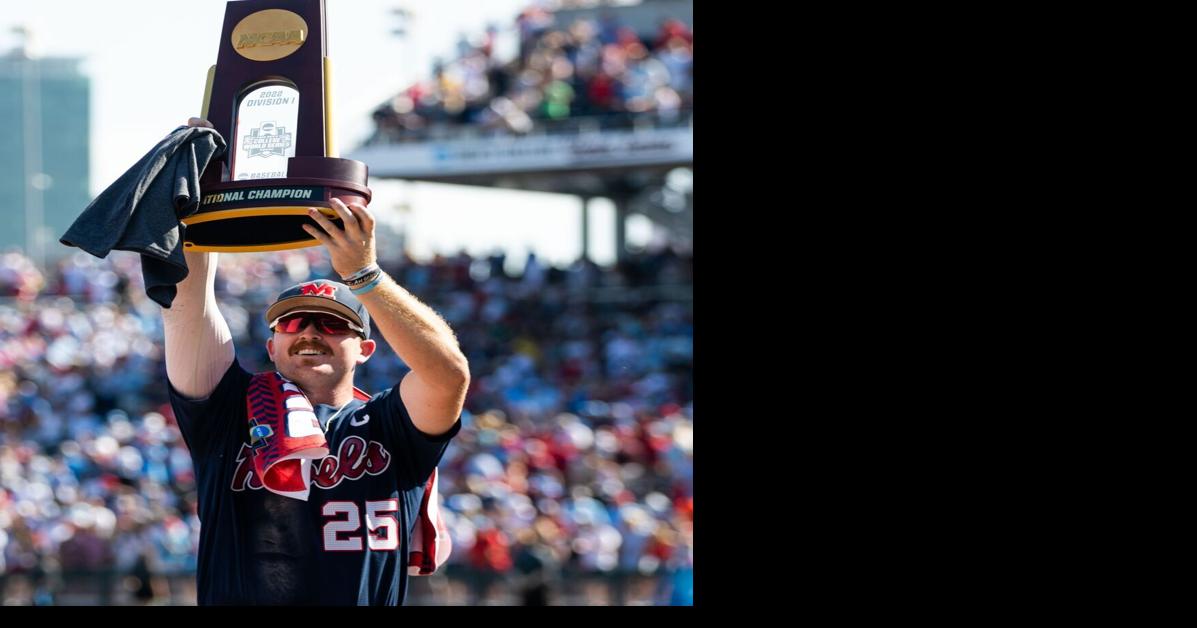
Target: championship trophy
[{"x": 270, "y": 97}]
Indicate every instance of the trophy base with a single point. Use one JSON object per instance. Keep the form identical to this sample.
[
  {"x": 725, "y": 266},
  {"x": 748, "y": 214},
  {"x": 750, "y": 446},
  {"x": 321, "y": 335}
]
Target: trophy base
[{"x": 268, "y": 214}]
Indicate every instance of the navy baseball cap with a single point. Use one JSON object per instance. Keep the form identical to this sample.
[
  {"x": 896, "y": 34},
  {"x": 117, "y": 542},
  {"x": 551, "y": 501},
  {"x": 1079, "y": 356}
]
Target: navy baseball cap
[{"x": 321, "y": 295}]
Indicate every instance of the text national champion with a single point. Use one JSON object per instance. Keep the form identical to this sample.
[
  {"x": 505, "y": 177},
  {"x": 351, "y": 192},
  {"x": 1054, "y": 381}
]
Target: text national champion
[{"x": 253, "y": 195}]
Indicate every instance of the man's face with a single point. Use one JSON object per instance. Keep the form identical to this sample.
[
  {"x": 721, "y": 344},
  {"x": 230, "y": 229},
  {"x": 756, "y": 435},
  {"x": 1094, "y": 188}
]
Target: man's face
[{"x": 313, "y": 354}]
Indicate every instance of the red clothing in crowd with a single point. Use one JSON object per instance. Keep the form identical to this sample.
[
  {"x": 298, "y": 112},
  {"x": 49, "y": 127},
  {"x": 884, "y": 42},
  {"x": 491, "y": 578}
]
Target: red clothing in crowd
[{"x": 491, "y": 551}]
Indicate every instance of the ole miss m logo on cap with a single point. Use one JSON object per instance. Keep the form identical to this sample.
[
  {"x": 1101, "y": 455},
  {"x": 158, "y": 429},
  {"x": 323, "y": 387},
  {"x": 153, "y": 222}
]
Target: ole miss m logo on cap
[{"x": 319, "y": 289}]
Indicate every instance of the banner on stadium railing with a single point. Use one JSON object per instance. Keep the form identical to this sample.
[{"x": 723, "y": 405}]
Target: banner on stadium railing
[{"x": 529, "y": 154}]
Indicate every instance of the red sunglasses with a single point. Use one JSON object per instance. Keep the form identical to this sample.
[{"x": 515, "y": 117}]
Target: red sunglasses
[{"x": 325, "y": 323}]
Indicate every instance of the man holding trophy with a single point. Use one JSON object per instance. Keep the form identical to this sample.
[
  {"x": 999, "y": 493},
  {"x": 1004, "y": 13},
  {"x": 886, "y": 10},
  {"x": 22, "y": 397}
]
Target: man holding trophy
[{"x": 311, "y": 491}]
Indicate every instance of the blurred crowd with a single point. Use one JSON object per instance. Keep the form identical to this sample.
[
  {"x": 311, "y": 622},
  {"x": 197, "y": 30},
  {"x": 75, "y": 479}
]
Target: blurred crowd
[
  {"x": 599, "y": 69},
  {"x": 575, "y": 454}
]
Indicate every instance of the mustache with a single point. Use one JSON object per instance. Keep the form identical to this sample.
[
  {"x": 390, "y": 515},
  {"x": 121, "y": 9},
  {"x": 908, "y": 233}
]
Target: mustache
[{"x": 309, "y": 344}]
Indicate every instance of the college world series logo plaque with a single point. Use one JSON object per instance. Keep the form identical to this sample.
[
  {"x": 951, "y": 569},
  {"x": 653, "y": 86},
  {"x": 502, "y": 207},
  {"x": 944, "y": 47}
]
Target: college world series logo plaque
[{"x": 269, "y": 96}]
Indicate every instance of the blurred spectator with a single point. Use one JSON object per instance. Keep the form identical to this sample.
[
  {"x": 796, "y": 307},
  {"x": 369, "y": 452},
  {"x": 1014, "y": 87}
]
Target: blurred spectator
[
  {"x": 18, "y": 276},
  {"x": 537, "y": 561}
]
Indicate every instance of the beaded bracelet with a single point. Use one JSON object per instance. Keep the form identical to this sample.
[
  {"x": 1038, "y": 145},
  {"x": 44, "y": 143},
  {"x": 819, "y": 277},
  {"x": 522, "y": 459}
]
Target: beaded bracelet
[{"x": 368, "y": 287}]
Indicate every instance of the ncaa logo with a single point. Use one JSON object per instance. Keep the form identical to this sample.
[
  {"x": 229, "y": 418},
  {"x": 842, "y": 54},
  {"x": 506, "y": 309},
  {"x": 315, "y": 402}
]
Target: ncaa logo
[{"x": 258, "y": 435}]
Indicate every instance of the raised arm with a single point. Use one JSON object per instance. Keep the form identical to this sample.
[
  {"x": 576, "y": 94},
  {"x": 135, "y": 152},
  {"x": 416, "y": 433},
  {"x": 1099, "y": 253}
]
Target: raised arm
[
  {"x": 435, "y": 389},
  {"x": 199, "y": 345}
]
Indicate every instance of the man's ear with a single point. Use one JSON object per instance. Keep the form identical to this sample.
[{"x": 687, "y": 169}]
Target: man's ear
[
  {"x": 270, "y": 348},
  {"x": 368, "y": 347}
]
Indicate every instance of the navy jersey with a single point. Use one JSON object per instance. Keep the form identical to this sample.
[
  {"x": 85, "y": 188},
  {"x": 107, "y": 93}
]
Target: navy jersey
[{"x": 348, "y": 543}]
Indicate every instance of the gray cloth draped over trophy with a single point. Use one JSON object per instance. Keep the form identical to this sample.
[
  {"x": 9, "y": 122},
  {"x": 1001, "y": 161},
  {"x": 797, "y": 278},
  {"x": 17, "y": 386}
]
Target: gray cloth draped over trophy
[{"x": 141, "y": 211}]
